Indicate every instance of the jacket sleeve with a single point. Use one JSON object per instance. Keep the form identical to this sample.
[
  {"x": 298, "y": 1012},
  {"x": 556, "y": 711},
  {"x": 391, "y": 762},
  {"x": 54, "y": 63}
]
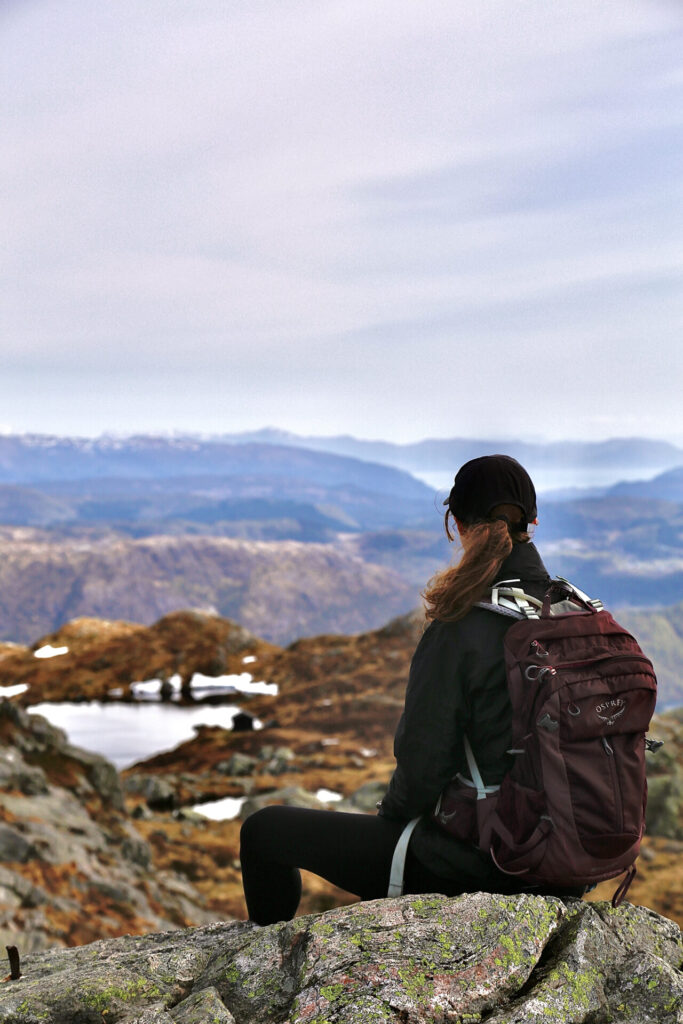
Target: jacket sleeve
[{"x": 428, "y": 744}]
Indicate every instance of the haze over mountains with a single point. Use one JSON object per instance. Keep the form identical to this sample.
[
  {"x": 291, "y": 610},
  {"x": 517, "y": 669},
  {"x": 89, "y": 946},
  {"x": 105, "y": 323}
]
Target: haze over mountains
[
  {"x": 33, "y": 457},
  {"x": 585, "y": 461},
  {"x": 292, "y": 539}
]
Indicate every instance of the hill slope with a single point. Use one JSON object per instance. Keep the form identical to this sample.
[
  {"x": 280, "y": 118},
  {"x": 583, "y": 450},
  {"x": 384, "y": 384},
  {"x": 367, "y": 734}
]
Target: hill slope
[{"x": 280, "y": 590}]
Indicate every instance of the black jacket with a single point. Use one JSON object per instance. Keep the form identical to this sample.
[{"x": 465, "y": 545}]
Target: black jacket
[{"x": 456, "y": 687}]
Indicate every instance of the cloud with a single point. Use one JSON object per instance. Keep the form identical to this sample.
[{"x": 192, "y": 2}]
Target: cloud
[{"x": 332, "y": 193}]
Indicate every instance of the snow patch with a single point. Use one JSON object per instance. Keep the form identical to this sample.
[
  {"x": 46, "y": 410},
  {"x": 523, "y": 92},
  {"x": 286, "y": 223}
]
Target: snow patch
[
  {"x": 243, "y": 683},
  {"x": 221, "y": 810},
  {"x": 13, "y": 691},
  {"x": 150, "y": 689},
  {"x": 328, "y": 796},
  {"x": 48, "y": 651}
]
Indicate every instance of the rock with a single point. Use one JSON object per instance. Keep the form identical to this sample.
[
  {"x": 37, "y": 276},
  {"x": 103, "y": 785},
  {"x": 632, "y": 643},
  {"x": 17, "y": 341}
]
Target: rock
[
  {"x": 17, "y": 889},
  {"x": 16, "y": 774},
  {"x": 113, "y": 979},
  {"x": 117, "y": 891},
  {"x": 243, "y": 722},
  {"x": 135, "y": 849},
  {"x": 159, "y": 793},
  {"x": 33, "y": 732},
  {"x": 76, "y": 867},
  {"x": 187, "y": 814},
  {"x": 664, "y": 801},
  {"x": 202, "y": 1007},
  {"x": 141, "y": 813},
  {"x": 105, "y": 781},
  {"x": 59, "y": 827},
  {"x": 279, "y": 761},
  {"x": 416, "y": 957},
  {"x": 152, "y": 1015},
  {"x": 36, "y": 740},
  {"x": 368, "y": 796},
  {"x": 13, "y": 846},
  {"x": 413, "y": 960},
  {"x": 238, "y": 764},
  {"x": 283, "y": 754},
  {"x": 290, "y": 796}
]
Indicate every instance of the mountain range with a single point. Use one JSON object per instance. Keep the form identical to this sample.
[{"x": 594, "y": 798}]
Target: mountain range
[
  {"x": 33, "y": 457},
  {"x": 449, "y": 453},
  {"x": 292, "y": 541},
  {"x": 283, "y": 590}
]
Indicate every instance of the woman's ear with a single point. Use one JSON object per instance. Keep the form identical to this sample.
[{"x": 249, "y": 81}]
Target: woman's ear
[{"x": 462, "y": 527}]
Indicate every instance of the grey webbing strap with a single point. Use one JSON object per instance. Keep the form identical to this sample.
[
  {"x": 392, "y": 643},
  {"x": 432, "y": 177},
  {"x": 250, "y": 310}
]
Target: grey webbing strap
[
  {"x": 513, "y": 613},
  {"x": 398, "y": 861},
  {"x": 515, "y": 598},
  {"x": 509, "y": 599},
  {"x": 475, "y": 774}
]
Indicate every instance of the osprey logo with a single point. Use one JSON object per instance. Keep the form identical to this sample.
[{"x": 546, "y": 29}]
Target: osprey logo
[{"x": 610, "y": 710}]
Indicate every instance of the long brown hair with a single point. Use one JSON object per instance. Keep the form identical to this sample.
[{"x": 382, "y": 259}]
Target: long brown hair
[{"x": 451, "y": 593}]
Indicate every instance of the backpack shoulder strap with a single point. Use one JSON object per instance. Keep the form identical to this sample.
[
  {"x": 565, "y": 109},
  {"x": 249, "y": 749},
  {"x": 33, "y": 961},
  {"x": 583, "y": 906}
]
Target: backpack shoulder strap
[
  {"x": 508, "y": 599},
  {"x": 592, "y": 602}
]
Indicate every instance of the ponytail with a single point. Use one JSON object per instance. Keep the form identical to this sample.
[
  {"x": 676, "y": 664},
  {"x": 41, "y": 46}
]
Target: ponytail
[{"x": 451, "y": 593}]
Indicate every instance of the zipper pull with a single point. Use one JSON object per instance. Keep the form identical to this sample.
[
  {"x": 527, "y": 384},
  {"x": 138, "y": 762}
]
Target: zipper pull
[{"x": 608, "y": 750}]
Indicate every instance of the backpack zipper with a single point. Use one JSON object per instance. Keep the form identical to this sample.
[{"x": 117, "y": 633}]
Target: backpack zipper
[
  {"x": 603, "y": 657},
  {"x": 616, "y": 788}
]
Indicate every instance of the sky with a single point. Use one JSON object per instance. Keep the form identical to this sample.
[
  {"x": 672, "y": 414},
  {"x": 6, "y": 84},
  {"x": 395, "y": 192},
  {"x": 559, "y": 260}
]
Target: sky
[{"x": 392, "y": 219}]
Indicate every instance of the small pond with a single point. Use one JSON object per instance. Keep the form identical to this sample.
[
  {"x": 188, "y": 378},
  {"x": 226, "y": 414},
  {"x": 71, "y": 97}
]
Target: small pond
[{"x": 126, "y": 733}]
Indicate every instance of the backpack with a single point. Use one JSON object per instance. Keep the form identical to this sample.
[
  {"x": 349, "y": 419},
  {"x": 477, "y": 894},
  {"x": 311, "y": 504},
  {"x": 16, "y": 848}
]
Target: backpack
[{"x": 571, "y": 811}]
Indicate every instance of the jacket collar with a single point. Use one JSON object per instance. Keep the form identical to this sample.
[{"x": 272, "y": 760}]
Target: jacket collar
[{"x": 524, "y": 563}]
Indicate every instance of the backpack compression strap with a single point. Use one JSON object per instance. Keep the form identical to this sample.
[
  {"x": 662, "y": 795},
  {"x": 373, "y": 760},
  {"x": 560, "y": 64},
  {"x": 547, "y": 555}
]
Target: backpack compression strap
[{"x": 476, "y": 781}]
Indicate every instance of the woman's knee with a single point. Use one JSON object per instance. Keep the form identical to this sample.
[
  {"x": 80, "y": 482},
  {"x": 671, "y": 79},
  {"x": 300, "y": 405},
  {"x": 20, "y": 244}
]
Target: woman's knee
[{"x": 257, "y": 832}]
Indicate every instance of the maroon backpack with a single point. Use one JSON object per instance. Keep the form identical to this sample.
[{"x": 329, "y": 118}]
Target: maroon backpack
[{"x": 571, "y": 811}]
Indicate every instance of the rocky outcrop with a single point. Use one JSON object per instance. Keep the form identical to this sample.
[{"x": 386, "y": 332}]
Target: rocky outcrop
[
  {"x": 101, "y": 658},
  {"x": 413, "y": 960},
  {"x": 74, "y": 867}
]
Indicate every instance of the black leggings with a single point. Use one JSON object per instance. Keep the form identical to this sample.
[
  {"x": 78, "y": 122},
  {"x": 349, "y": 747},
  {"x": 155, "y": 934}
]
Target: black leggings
[{"x": 353, "y": 851}]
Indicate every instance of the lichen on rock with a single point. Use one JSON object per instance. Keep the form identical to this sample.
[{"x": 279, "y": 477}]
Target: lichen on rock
[{"x": 413, "y": 960}]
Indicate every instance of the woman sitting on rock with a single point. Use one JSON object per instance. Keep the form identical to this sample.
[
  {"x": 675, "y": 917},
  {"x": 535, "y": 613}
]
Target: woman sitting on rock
[{"x": 457, "y": 686}]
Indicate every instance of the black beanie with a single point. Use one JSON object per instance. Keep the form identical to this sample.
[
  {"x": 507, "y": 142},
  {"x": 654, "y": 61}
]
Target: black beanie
[{"x": 491, "y": 480}]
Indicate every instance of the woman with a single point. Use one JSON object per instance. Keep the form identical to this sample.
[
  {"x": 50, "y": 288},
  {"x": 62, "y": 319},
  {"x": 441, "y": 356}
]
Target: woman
[{"x": 456, "y": 688}]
